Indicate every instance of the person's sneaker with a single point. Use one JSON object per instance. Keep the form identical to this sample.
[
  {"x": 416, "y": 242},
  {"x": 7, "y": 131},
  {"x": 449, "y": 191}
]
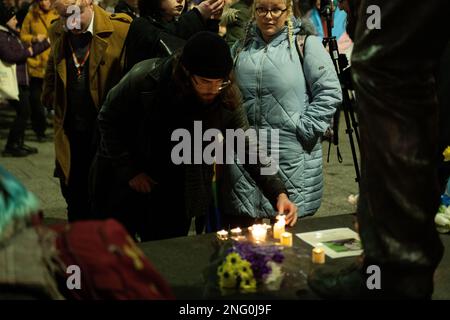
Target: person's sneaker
[
  {"x": 14, "y": 152},
  {"x": 28, "y": 149}
]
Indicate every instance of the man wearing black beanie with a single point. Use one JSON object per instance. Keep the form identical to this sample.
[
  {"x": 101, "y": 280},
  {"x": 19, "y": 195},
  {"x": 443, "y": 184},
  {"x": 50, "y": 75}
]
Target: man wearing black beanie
[{"x": 135, "y": 173}]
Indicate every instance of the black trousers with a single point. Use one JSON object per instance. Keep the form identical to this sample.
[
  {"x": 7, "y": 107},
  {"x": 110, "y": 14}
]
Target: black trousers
[
  {"x": 38, "y": 114},
  {"x": 22, "y": 108},
  {"x": 398, "y": 116},
  {"x": 75, "y": 192}
]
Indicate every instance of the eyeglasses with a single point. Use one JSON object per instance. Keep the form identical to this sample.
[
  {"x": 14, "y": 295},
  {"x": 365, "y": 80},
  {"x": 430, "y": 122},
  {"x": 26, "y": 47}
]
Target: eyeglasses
[
  {"x": 275, "y": 13},
  {"x": 204, "y": 85}
]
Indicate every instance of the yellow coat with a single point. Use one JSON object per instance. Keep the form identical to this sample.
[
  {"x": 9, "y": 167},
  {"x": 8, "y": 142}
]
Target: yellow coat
[
  {"x": 37, "y": 22},
  {"x": 105, "y": 70}
]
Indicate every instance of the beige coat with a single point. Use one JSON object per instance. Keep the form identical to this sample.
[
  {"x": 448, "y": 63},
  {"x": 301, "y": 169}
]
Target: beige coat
[{"x": 105, "y": 70}]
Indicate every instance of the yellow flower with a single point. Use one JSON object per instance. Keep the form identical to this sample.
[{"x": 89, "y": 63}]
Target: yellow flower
[
  {"x": 220, "y": 270},
  {"x": 446, "y": 154},
  {"x": 228, "y": 277},
  {"x": 248, "y": 284},
  {"x": 233, "y": 258},
  {"x": 245, "y": 269},
  {"x": 235, "y": 268}
]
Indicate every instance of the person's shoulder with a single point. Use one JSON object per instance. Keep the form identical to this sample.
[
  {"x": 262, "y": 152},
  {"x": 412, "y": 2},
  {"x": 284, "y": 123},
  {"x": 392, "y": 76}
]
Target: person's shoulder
[
  {"x": 121, "y": 23},
  {"x": 55, "y": 26},
  {"x": 52, "y": 15},
  {"x": 145, "y": 23},
  {"x": 147, "y": 71},
  {"x": 54, "y": 20},
  {"x": 120, "y": 18}
]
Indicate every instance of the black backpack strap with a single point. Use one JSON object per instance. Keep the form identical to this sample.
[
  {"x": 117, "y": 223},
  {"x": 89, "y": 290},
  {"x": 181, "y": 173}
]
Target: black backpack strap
[{"x": 300, "y": 43}]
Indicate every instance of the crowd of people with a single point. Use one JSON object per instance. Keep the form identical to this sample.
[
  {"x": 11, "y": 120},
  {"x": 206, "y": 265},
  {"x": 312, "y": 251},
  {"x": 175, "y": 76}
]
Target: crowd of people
[
  {"x": 100, "y": 148},
  {"x": 121, "y": 77}
]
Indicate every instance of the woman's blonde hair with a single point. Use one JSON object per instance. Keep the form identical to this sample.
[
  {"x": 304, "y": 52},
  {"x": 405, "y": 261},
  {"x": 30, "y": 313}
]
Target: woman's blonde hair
[{"x": 290, "y": 34}]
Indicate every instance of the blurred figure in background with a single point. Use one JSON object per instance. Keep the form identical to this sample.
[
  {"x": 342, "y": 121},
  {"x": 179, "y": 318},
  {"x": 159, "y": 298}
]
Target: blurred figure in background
[
  {"x": 235, "y": 19},
  {"x": 339, "y": 21},
  {"x": 165, "y": 25},
  {"x": 129, "y": 7},
  {"x": 14, "y": 51},
  {"x": 35, "y": 29}
]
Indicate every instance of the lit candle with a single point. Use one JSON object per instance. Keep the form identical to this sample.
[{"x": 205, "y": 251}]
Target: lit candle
[
  {"x": 278, "y": 227},
  {"x": 318, "y": 256},
  {"x": 259, "y": 232},
  {"x": 222, "y": 235},
  {"x": 236, "y": 232},
  {"x": 286, "y": 239}
]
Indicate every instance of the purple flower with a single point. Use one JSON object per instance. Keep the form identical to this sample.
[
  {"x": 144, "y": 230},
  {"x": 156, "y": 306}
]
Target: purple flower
[{"x": 259, "y": 256}]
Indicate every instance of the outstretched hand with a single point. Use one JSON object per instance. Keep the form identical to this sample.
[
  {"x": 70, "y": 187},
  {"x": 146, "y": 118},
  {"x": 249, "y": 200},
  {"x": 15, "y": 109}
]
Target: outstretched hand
[
  {"x": 286, "y": 207},
  {"x": 211, "y": 9}
]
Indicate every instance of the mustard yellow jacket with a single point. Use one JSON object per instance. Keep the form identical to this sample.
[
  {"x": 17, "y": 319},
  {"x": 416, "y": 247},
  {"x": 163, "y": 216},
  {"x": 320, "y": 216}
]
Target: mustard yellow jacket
[
  {"x": 37, "y": 22},
  {"x": 105, "y": 71}
]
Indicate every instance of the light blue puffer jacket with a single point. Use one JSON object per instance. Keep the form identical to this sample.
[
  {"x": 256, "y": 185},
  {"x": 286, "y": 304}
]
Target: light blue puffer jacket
[{"x": 272, "y": 82}]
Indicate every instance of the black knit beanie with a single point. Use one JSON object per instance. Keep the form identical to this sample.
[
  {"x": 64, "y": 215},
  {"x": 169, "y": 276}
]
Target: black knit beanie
[
  {"x": 5, "y": 14},
  {"x": 207, "y": 55}
]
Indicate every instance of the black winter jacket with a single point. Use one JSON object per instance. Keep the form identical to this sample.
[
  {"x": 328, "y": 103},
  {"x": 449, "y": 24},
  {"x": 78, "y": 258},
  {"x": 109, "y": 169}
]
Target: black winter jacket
[
  {"x": 136, "y": 124},
  {"x": 143, "y": 40}
]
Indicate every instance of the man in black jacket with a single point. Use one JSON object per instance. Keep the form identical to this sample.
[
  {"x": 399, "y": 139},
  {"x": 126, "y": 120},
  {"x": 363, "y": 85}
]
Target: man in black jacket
[{"x": 136, "y": 178}]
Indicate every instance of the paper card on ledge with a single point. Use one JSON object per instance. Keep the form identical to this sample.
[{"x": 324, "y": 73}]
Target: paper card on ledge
[{"x": 337, "y": 243}]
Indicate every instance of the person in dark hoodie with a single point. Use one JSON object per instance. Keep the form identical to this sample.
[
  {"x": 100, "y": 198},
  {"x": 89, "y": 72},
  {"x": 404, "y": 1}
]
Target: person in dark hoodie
[
  {"x": 14, "y": 51},
  {"x": 165, "y": 25}
]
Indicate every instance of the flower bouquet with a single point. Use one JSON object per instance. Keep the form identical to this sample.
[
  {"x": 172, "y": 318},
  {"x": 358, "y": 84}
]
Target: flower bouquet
[
  {"x": 442, "y": 218},
  {"x": 245, "y": 267}
]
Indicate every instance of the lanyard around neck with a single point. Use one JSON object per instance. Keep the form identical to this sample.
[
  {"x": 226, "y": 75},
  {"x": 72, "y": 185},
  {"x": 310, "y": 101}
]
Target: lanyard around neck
[{"x": 79, "y": 64}]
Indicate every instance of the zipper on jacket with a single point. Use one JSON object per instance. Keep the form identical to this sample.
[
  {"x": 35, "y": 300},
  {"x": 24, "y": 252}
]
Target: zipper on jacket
[{"x": 258, "y": 119}]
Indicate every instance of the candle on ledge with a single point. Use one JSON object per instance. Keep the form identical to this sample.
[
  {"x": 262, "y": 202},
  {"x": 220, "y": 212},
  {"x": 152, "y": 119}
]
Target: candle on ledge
[
  {"x": 222, "y": 235},
  {"x": 236, "y": 232},
  {"x": 318, "y": 256},
  {"x": 259, "y": 232},
  {"x": 279, "y": 227},
  {"x": 286, "y": 239}
]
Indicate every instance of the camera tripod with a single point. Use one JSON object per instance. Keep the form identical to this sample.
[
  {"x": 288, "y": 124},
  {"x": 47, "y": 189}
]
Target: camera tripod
[{"x": 343, "y": 71}]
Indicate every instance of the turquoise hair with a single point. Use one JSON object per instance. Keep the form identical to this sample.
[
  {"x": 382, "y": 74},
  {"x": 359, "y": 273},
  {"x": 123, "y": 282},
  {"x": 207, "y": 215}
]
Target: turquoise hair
[{"x": 16, "y": 202}]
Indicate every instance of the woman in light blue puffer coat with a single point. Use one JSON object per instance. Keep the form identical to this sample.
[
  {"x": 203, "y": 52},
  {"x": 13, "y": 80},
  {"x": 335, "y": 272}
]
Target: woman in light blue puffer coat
[{"x": 279, "y": 94}]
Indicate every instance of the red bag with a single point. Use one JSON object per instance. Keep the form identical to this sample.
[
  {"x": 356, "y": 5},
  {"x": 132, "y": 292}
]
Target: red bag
[{"x": 111, "y": 265}]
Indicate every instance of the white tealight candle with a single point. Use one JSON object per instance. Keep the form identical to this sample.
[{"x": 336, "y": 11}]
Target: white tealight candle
[
  {"x": 286, "y": 239},
  {"x": 236, "y": 232},
  {"x": 222, "y": 235},
  {"x": 318, "y": 256},
  {"x": 259, "y": 232},
  {"x": 279, "y": 227}
]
